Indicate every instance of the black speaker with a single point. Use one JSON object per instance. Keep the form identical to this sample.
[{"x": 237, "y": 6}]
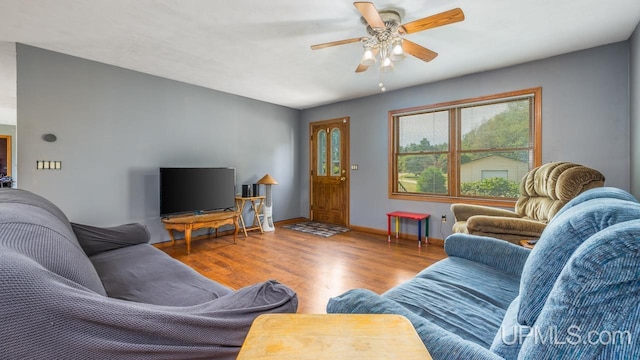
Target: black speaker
[
  {"x": 256, "y": 189},
  {"x": 246, "y": 191}
]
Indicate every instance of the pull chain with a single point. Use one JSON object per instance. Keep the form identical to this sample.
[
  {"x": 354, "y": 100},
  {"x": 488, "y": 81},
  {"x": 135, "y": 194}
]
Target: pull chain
[{"x": 381, "y": 84}]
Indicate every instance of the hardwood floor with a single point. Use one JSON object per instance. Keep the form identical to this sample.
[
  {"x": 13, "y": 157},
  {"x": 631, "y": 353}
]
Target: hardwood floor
[{"x": 317, "y": 268}]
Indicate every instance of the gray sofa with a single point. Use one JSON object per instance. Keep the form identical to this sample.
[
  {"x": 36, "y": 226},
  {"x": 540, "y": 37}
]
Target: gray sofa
[
  {"x": 574, "y": 296},
  {"x": 71, "y": 291}
]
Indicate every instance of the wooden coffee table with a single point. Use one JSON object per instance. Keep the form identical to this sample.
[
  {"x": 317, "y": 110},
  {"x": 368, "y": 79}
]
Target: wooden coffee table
[
  {"x": 189, "y": 223},
  {"x": 332, "y": 337}
]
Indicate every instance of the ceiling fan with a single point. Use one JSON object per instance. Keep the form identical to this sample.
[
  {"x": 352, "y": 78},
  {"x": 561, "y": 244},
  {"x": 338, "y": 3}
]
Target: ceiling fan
[{"x": 386, "y": 39}]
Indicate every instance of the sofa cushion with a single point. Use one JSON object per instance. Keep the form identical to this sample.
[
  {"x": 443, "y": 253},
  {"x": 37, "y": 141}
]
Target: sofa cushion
[
  {"x": 593, "y": 308},
  {"x": 460, "y": 296},
  {"x": 95, "y": 239},
  {"x": 558, "y": 241},
  {"x": 509, "y": 338},
  {"x": 40, "y": 233},
  {"x": 442, "y": 344},
  {"x": 144, "y": 274}
]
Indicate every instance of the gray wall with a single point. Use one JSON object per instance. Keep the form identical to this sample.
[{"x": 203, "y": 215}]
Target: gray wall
[
  {"x": 116, "y": 127},
  {"x": 585, "y": 120},
  {"x": 634, "y": 45}
]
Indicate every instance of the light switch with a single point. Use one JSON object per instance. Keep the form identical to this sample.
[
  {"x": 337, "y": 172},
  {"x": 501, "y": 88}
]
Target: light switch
[{"x": 48, "y": 165}]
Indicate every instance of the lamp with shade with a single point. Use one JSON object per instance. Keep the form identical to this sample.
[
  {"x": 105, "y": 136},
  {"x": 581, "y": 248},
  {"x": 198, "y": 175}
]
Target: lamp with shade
[{"x": 267, "y": 222}]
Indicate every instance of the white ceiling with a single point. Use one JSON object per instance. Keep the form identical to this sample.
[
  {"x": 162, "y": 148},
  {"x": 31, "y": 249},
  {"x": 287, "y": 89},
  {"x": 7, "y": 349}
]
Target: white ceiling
[{"x": 261, "y": 49}]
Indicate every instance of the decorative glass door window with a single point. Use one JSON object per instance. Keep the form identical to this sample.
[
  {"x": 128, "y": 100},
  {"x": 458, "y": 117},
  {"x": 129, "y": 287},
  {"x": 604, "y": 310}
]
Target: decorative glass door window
[
  {"x": 329, "y": 148},
  {"x": 335, "y": 152},
  {"x": 322, "y": 152}
]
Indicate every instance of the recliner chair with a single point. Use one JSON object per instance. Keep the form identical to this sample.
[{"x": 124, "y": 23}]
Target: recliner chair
[{"x": 543, "y": 192}]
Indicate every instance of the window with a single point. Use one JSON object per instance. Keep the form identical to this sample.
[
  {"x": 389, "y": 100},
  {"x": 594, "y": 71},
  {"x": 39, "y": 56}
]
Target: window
[{"x": 477, "y": 149}]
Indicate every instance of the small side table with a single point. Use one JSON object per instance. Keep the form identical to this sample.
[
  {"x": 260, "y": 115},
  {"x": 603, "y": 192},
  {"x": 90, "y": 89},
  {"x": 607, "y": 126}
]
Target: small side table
[
  {"x": 256, "y": 206},
  {"x": 332, "y": 336},
  {"x": 525, "y": 243},
  {"x": 412, "y": 216}
]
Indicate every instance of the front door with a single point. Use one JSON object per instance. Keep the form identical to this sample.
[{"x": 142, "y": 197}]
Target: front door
[{"x": 329, "y": 171}]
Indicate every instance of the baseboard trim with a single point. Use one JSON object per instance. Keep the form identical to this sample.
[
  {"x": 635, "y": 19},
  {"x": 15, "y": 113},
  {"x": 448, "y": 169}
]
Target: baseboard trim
[
  {"x": 167, "y": 243},
  {"x": 291, "y": 221},
  {"x": 403, "y": 236}
]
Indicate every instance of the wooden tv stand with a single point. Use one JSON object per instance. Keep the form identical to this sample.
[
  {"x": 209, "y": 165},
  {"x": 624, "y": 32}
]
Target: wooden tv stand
[{"x": 188, "y": 223}]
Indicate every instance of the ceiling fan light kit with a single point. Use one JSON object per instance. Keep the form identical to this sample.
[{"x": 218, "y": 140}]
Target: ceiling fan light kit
[
  {"x": 397, "y": 52},
  {"x": 368, "y": 58},
  {"x": 386, "y": 43},
  {"x": 387, "y": 64}
]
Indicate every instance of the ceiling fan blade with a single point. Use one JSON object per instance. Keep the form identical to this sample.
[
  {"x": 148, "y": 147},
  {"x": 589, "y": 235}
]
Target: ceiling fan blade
[
  {"x": 369, "y": 12},
  {"x": 430, "y": 22},
  {"x": 335, "y": 43},
  {"x": 418, "y": 51},
  {"x": 361, "y": 68}
]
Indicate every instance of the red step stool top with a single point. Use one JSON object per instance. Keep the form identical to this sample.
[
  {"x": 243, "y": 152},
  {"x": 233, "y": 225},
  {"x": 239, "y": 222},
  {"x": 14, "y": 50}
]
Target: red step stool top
[{"x": 408, "y": 215}]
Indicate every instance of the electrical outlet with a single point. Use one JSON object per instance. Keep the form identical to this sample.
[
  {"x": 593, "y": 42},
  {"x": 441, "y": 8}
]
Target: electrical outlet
[{"x": 444, "y": 218}]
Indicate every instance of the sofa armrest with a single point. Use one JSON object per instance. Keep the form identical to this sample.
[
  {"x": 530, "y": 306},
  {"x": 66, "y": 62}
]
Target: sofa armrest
[
  {"x": 496, "y": 253},
  {"x": 526, "y": 228},
  {"x": 95, "y": 239},
  {"x": 462, "y": 212},
  {"x": 440, "y": 343}
]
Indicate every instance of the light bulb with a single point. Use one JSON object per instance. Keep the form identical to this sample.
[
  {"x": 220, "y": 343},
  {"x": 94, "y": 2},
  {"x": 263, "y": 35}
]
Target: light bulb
[
  {"x": 368, "y": 58},
  {"x": 397, "y": 52},
  {"x": 387, "y": 65}
]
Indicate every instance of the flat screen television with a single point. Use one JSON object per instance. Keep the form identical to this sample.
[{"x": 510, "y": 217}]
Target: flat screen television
[{"x": 194, "y": 190}]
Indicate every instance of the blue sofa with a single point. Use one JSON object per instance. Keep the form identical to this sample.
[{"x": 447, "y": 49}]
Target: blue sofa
[{"x": 576, "y": 295}]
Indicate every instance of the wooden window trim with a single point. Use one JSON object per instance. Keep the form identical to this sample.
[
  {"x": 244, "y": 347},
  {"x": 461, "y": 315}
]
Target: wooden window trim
[
  {"x": 9, "y": 165},
  {"x": 454, "y": 137}
]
